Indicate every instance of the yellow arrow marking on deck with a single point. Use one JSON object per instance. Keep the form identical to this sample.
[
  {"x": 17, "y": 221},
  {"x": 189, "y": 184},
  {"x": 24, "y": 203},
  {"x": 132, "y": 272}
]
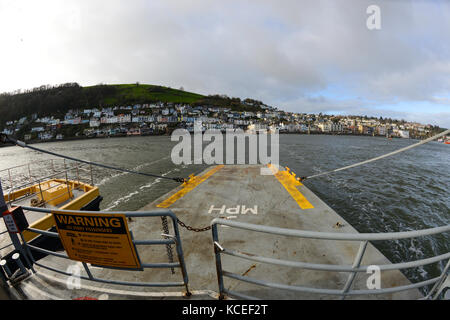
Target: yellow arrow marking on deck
[
  {"x": 188, "y": 187},
  {"x": 289, "y": 182}
]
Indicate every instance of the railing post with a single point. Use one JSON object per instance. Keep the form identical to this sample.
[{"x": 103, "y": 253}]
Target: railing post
[
  {"x": 439, "y": 282},
  {"x": 40, "y": 190},
  {"x": 219, "y": 270},
  {"x": 444, "y": 284},
  {"x": 16, "y": 258},
  {"x": 3, "y": 206},
  {"x": 10, "y": 179},
  {"x": 29, "y": 172},
  {"x": 31, "y": 261},
  {"x": 92, "y": 175},
  {"x": 10, "y": 191},
  {"x": 14, "y": 238},
  {"x": 5, "y": 267},
  {"x": 68, "y": 186},
  {"x": 356, "y": 264},
  {"x": 180, "y": 255},
  {"x": 88, "y": 271}
]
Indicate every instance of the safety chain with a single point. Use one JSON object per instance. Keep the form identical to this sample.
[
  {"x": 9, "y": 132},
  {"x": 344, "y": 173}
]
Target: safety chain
[
  {"x": 181, "y": 223},
  {"x": 165, "y": 226}
]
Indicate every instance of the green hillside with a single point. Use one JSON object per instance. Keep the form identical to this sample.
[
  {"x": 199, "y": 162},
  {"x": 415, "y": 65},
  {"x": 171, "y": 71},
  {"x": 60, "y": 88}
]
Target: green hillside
[
  {"x": 140, "y": 93},
  {"x": 57, "y": 100}
]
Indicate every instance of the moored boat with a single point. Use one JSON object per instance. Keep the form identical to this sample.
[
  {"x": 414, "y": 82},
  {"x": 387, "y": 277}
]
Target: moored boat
[{"x": 65, "y": 189}]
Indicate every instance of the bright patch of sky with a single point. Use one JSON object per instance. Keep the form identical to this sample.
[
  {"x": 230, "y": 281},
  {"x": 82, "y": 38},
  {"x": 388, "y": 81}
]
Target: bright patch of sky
[{"x": 301, "y": 56}]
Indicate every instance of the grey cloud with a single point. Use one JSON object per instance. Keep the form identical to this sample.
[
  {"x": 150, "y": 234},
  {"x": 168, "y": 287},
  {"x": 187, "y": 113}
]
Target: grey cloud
[{"x": 284, "y": 53}]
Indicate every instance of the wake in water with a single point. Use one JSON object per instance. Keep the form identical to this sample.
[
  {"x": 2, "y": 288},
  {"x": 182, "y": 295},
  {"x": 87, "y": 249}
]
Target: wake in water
[
  {"x": 137, "y": 168},
  {"x": 127, "y": 197}
]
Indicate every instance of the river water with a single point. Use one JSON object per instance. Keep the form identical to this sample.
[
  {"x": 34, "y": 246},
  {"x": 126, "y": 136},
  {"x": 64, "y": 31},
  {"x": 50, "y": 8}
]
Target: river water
[{"x": 408, "y": 191}]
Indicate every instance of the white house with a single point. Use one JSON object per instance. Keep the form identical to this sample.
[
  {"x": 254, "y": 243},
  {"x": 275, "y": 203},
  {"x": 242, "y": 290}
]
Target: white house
[
  {"x": 337, "y": 127},
  {"x": 8, "y": 131},
  {"x": 382, "y": 131},
  {"x": 324, "y": 127},
  {"x": 45, "y": 135},
  {"x": 93, "y": 123},
  {"x": 112, "y": 120},
  {"x": 124, "y": 118},
  {"x": 403, "y": 134}
]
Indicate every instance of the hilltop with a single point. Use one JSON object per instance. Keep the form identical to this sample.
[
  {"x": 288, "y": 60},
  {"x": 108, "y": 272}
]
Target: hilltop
[
  {"x": 70, "y": 111},
  {"x": 57, "y": 100}
]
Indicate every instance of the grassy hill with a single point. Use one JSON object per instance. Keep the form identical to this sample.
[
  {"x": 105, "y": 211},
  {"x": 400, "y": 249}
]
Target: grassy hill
[
  {"x": 57, "y": 100},
  {"x": 140, "y": 93}
]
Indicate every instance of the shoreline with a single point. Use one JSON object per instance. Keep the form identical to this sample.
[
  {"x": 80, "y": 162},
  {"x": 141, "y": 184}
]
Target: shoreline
[{"x": 167, "y": 134}]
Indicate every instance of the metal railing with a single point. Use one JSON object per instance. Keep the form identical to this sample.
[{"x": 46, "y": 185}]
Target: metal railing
[
  {"x": 353, "y": 269},
  {"x": 56, "y": 167},
  {"x": 168, "y": 239},
  {"x": 70, "y": 175}
]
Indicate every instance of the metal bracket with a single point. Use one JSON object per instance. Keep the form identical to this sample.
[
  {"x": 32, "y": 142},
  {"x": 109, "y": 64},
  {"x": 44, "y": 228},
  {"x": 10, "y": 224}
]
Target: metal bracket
[
  {"x": 169, "y": 236},
  {"x": 442, "y": 286},
  {"x": 218, "y": 246}
]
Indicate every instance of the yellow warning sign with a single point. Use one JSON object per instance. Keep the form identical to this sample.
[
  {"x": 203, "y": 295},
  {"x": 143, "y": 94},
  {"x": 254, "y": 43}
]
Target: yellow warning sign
[{"x": 101, "y": 239}]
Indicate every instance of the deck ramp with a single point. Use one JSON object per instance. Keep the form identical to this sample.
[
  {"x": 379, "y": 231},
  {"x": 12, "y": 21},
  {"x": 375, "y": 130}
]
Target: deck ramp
[{"x": 241, "y": 193}]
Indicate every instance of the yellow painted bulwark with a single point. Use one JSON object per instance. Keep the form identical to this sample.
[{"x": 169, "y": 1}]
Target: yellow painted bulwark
[
  {"x": 48, "y": 222},
  {"x": 55, "y": 193},
  {"x": 188, "y": 187},
  {"x": 290, "y": 183}
]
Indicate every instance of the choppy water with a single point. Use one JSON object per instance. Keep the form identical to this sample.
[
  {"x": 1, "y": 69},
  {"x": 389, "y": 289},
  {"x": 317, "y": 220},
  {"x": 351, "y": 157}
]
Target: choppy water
[{"x": 404, "y": 192}]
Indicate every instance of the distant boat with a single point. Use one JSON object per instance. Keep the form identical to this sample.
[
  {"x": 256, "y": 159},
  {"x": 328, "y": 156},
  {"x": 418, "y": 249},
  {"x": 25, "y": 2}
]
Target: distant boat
[{"x": 447, "y": 142}]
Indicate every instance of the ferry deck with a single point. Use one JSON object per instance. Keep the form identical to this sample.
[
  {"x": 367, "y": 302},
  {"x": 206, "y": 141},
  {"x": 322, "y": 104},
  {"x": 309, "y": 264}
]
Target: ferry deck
[{"x": 234, "y": 193}]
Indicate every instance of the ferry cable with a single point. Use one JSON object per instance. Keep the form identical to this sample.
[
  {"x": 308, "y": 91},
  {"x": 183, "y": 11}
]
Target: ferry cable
[
  {"x": 5, "y": 139},
  {"x": 379, "y": 157}
]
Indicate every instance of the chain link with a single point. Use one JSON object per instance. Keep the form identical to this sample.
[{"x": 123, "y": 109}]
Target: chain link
[
  {"x": 165, "y": 226},
  {"x": 181, "y": 223}
]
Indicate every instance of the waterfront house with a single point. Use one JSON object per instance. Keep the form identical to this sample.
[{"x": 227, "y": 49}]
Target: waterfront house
[
  {"x": 124, "y": 118},
  {"x": 403, "y": 134},
  {"x": 37, "y": 129},
  {"x": 45, "y": 135},
  {"x": 381, "y": 130},
  {"x": 93, "y": 123}
]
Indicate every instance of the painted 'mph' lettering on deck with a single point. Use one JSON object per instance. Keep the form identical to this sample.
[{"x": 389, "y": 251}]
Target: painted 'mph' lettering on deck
[{"x": 233, "y": 210}]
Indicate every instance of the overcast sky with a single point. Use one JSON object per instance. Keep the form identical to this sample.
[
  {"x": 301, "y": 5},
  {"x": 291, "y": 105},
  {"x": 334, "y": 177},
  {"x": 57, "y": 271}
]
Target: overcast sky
[{"x": 301, "y": 56}]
